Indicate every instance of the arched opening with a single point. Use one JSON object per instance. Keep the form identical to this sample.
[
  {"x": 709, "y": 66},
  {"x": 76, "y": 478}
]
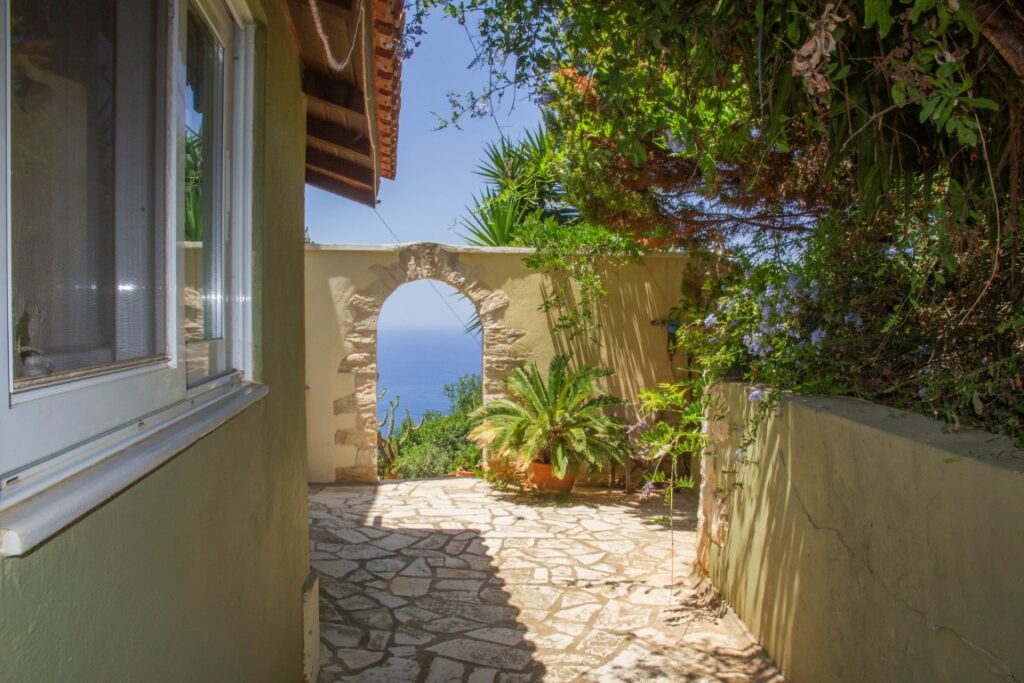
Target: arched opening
[{"x": 429, "y": 380}]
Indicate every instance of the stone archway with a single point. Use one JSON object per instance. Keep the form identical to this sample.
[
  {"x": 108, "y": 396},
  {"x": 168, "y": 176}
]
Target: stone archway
[{"x": 423, "y": 261}]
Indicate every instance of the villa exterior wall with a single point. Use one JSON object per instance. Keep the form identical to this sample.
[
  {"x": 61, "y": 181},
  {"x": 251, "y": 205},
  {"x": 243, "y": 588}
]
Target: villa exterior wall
[
  {"x": 196, "y": 572},
  {"x": 866, "y": 543},
  {"x": 347, "y": 286}
]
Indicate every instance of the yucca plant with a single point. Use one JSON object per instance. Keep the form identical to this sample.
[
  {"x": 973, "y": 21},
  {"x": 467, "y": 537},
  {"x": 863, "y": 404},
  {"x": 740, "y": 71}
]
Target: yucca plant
[
  {"x": 494, "y": 222},
  {"x": 560, "y": 422}
]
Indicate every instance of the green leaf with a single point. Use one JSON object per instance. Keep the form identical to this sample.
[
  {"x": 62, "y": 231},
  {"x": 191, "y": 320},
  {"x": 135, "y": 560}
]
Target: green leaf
[
  {"x": 899, "y": 95},
  {"x": 981, "y": 103},
  {"x": 921, "y": 6},
  {"x": 928, "y": 109},
  {"x": 793, "y": 31},
  {"x": 842, "y": 73}
]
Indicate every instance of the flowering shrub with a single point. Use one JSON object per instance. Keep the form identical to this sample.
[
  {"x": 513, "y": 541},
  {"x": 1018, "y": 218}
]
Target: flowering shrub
[{"x": 882, "y": 322}]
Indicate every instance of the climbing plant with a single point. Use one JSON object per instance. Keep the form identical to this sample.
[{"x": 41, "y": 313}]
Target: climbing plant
[{"x": 872, "y": 151}]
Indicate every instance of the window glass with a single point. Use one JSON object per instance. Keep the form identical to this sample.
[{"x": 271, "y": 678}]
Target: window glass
[
  {"x": 85, "y": 234},
  {"x": 205, "y": 258}
]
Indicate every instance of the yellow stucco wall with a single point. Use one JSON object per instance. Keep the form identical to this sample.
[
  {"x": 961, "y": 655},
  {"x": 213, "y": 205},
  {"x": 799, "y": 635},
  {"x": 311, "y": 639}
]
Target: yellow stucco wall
[
  {"x": 195, "y": 573},
  {"x": 868, "y": 545},
  {"x": 345, "y": 287}
]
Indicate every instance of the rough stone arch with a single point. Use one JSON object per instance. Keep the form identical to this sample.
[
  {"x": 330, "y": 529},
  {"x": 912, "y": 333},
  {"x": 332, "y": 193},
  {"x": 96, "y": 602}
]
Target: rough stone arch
[{"x": 423, "y": 261}]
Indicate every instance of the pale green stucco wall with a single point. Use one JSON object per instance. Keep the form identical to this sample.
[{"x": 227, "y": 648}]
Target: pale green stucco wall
[
  {"x": 195, "y": 573},
  {"x": 868, "y": 545},
  {"x": 346, "y": 287}
]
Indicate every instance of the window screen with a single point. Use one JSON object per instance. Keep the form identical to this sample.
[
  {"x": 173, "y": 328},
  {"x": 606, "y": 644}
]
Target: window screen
[{"x": 86, "y": 239}]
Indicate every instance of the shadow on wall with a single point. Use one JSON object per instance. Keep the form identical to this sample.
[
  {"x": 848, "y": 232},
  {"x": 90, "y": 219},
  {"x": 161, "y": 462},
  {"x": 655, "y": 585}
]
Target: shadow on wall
[
  {"x": 624, "y": 325},
  {"x": 407, "y": 603},
  {"x": 864, "y": 543},
  {"x": 774, "y": 581}
]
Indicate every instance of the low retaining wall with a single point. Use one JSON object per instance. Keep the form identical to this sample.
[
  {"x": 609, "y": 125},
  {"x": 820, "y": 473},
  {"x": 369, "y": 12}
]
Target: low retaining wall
[{"x": 861, "y": 543}]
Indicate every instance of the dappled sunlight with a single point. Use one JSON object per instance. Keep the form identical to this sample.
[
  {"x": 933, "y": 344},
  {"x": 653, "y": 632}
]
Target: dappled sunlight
[{"x": 456, "y": 580}]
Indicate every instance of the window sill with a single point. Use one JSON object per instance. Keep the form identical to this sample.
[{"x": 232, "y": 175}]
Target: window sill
[{"x": 35, "y": 508}]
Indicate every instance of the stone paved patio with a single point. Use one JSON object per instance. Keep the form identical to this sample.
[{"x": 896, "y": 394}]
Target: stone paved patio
[{"x": 451, "y": 580}]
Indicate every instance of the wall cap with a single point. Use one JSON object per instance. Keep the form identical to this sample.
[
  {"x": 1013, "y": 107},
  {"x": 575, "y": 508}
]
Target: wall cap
[{"x": 969, "y": 443}]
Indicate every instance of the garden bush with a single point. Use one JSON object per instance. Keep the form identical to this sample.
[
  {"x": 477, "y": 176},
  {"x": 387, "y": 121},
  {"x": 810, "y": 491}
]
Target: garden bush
[{"x": 438, "y": 444}]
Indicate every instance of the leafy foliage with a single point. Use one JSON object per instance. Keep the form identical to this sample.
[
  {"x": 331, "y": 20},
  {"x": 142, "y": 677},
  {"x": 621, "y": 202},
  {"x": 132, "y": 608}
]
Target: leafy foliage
[
  {"x": 879, "y": 321},
  {"x": 559, "y": 421},
  {"x": 706, "y": 118},
  {"x": 524, "y": 205},
  {"x": 521, "y": 190},
  {"x": 584, "y": 255},
  {"x": 193, "y": 187},
  {"x": 874, "y": 149},
  {"x": 438, "y": 445}
]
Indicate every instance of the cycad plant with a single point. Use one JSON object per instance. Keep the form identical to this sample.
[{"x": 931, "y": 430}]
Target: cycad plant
[{"x": 560, "y": 422}]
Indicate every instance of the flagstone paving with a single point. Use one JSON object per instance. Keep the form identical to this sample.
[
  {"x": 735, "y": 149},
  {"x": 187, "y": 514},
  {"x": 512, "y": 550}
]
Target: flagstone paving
[{"x": 452, "y": 580}]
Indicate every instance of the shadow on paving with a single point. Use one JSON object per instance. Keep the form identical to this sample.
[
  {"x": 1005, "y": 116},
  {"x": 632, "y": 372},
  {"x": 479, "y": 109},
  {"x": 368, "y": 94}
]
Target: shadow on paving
[
  {"x": 452, "y": 580},
  {"x": 411, "y": 604}
]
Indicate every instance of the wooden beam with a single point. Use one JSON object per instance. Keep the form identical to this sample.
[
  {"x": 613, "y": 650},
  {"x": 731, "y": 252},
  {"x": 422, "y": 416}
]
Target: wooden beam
[
  {"x": 336, "y": 135},
  {"x": 342, "y": 5},
  {"x": 330, "y": 165},
  {"x": 339, "y": 188},
  {"x": 347, "y": 5},
  {"x": 333, "y": 92}
]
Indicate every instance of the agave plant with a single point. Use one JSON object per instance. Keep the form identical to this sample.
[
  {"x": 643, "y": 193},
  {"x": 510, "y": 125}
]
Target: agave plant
[{"x": 560, "y": 422}]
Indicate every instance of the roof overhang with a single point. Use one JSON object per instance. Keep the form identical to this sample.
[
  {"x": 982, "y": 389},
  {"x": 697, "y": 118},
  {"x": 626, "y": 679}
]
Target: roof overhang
[{"x": 352, "y": 67}]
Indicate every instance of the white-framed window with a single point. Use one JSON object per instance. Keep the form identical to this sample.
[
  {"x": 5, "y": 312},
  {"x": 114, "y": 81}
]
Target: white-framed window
[{"x": 126, "y": 258}]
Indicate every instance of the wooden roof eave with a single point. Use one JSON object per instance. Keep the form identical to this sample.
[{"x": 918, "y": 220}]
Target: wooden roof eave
[{"x": 352, "y": 114}]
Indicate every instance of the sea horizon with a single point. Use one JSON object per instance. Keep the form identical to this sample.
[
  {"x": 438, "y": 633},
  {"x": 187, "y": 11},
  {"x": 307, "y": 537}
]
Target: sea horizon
[{"x": 414, "y": 363}]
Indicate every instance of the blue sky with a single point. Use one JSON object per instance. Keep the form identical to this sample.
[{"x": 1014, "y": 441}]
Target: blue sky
[{"x": 435, "y": 179}]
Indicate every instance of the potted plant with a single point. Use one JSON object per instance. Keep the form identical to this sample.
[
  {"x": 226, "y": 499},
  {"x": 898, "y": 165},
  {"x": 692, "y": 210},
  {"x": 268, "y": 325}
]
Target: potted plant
[{"x": 554, "y": 426}]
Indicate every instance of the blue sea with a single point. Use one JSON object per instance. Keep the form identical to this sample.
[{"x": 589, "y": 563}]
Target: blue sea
[{"x": 414, "y": 364}]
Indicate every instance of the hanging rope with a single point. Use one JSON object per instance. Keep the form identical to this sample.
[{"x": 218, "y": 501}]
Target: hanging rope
[{"x": 332, "y": 61}]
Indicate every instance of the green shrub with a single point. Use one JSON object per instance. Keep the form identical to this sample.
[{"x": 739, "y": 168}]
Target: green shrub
[
  {"x": 438, "y": 445},
  {"x": 891, "y": 321}
]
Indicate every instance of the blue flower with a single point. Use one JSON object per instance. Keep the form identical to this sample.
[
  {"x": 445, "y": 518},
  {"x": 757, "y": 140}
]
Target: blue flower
[
  {"x": 792, "y": 283},
  {"x": 755, "y": 395},
  {"x": 817, "y": 337},
  {"x": 785, "y": 308},
  {"x": 853, "y": 319},
  {"x": 710, "y": 321},
  {"x": 922, "y": 392},
  {"x": 923, "y": 350},
  {"x": 648, "y": 489},
  {"x": 673, "y": 144},
  {"x": 984, "y": 360},
  {"x": 481, "y": 107},
  {"x": 769, "y": 290}
]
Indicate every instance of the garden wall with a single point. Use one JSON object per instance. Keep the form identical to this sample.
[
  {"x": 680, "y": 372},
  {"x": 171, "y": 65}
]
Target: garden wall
[
  {"x": 346, "y": 286},
  {"x": 863, "y": 543}
]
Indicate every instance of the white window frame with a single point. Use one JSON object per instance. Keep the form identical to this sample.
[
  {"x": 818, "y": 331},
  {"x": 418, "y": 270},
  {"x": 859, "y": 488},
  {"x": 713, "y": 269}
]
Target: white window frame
[{"x": 68, "y": 434}]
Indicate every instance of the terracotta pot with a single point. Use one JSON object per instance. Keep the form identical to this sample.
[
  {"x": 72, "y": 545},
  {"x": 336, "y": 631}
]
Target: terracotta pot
[
  {"x": 541, "y": 477},
  {"x": 464, "y": 473}
]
